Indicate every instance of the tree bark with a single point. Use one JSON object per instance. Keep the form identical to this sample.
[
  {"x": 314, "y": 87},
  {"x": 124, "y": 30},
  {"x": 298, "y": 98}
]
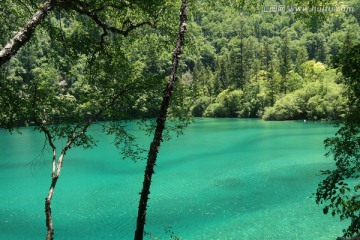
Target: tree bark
[
  {"x": 55, "y": 176},
  {"x": 154, "y": 146},
  {"x": 24, "y": 35},
  {"x": 49, "y": 222}
]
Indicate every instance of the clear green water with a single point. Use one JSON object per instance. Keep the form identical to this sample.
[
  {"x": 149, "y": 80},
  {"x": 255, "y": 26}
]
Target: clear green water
[{"x": 224, "y": 179}]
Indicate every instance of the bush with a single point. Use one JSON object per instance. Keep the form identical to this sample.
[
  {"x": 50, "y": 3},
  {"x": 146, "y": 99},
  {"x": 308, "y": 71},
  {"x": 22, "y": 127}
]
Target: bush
[
  {"x": 200, "y": 105},
  {"x": 215, "y": 110},
  {"x": 233, "y": 102},
  {"x": 286, "y": 108},
  {"x": 318, "y": 101}
]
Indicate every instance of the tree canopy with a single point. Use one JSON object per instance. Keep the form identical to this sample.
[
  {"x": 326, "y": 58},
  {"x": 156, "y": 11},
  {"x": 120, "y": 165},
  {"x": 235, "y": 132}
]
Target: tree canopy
[{"x": 339, "y": 190}]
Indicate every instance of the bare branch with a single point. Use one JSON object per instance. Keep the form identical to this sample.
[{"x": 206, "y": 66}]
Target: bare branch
[
  {"x": 125, "y": 31},
  {"x": 42, "y": 125}
]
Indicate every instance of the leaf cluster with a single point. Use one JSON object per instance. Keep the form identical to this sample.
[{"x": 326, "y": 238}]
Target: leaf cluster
[{"x": 339, "y": 190}]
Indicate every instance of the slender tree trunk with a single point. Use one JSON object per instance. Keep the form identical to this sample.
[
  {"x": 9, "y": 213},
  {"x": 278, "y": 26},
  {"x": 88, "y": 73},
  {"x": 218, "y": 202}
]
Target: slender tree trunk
[
  {"x": 24, "y": 35},
  {"x": 57, "y": 166},
  {"x": 49, "y": 222},
  {"x": 154, "y": 146},
  {"x": 55, "y": 176}
]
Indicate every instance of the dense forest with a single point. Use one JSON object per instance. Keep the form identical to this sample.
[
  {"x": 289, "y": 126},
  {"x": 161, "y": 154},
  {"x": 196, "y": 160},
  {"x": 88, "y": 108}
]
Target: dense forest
[
  {"x": 269, "y": 65},
  {"x": 108, "y": 62},
  {"x": 248, "y": 64}
]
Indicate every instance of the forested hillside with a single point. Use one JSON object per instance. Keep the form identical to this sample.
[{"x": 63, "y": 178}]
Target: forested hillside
[
  {"x": 238, "y": 63},
  {"x": 269, "y": 64}
]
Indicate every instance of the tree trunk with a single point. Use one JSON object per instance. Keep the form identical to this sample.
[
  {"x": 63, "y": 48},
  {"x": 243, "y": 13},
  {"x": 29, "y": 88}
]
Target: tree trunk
[
  {"x": 57, "y": 166},
  {"x": 49, "y": 223},
  {"x": 24, "y": 35},
  {"x": 55, "y": 176},
  {"x": 154, "y": 147}
]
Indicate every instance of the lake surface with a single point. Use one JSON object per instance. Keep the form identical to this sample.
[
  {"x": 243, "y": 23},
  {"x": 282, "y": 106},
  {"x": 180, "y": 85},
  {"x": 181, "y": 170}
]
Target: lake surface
[{"x": 223, "y": 179}]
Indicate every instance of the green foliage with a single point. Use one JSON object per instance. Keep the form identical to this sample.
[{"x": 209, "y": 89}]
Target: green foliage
[
  {"x": 230, "y": 46},
  {"x": 320, "y": 98},
  {"x": 199, "y": 106},
  {"x": 232, "y": 102},
  {"x": 71, "y": 73},
  {"x": 339, "y": 190},
  {"x": 286, "y": 108},
  {"x": 268, "y": 56},
  {"x": 215, "y": 110},
  {"x": 227, "y": 104},
  {"x": 313, "y": 19},
  {"x": 238, "y": 62}
]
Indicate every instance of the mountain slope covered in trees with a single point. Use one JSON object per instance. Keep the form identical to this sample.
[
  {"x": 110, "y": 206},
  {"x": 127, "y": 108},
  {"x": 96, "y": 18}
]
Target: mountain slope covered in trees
[
  {"x": 238, "y": 63},
  {"x": 269, "y": 64}
]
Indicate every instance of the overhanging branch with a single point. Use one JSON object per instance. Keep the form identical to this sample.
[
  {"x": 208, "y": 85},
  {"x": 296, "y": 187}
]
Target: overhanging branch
[
  {"x": 24, "y": 35},
  {"x": 94, "y": 16},
  {"x": 83, "y": 130}
]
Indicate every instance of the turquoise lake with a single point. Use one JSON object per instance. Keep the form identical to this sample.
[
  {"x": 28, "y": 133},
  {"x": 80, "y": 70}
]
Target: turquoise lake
[{"x": 222, "y": 179}]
